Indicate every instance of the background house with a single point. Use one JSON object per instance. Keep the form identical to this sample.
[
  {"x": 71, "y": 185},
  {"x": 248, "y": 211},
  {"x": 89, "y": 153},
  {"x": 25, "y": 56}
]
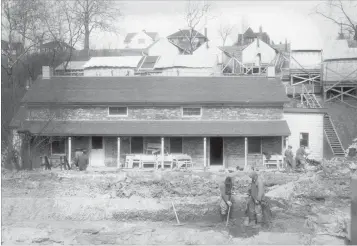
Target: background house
[
  {"x": 71, "y": 68},
  {"x": 187, "y": 40},
  {"x": 140, "y": 40},
  {"x": 111, "y": 66},
  {"x": 188, "y": 65},
  {"x": 57, "y": 46},
  {"x": 249, "y": 36}
]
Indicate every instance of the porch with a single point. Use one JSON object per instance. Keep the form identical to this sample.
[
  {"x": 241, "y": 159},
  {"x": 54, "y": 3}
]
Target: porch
[{"x": 209, "y": 144}]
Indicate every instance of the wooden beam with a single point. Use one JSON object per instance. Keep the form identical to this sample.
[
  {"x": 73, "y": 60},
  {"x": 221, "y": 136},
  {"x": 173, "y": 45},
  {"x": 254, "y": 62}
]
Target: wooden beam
[
  {"x": 162, "y": 153},
  {"x": 118, "y": 153},
  {"x": 353, "y": 226},
  {"x": 245, "y": 152},
  {"x": 70, "y": 150},
  {"x": 205, "y": 153},
  {"x": 338, "y": 95}
]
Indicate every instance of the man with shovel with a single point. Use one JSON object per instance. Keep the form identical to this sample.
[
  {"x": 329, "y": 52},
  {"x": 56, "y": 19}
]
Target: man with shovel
[
  {"x": 258, "y": 209},
  {"x": 226, "y": 193}
]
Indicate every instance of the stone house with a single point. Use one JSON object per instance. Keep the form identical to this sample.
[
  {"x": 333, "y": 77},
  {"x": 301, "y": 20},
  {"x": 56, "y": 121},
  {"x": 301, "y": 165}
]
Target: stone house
[{"x": 218, "y": 121}]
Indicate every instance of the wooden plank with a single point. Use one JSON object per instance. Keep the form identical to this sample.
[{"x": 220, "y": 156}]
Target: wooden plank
[{"x": 354, "y": 211}]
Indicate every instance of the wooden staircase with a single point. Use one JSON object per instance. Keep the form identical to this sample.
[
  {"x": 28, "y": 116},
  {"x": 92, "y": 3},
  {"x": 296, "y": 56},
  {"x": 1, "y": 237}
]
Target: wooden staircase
[
  {"x": 332, "y": 137},
  {"x": 333, "y": 140}
]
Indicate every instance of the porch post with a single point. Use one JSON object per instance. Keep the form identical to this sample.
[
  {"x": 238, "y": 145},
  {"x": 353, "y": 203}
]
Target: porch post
[
  {"x": 245, "y": 152},
  {"x": 282, "y": 144},
  {"x": 118, "y": 153},
  {"x": 70, "y": 150},
  {"x": 204, "y": 153},
  {"x": 353, "y": 225},
  {"x": 162, "y": 153}
]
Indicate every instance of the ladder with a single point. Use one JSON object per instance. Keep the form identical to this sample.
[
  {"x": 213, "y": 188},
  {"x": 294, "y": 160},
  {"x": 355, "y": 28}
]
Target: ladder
[
  {"x": 309, "y": 99},
  {"x": 332, "y": 137}
]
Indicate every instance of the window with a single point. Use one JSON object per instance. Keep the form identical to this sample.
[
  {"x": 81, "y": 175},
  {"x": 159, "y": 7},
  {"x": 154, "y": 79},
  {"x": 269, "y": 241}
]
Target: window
[
  {"x": 304, "y": 139},
  {"x": 58, "y": 146},
  {"x": 254, "y": 145},
  {"x": 137, "y": 145},
  {"x": 175, "y": 145},
  {"x": 118, "y": 111},
  {"x": 191, "y": 112},
  {"x": 141, "y": 41}
]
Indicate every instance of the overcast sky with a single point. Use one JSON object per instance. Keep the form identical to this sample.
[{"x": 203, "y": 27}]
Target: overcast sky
[{"x": 293, "y": 20}]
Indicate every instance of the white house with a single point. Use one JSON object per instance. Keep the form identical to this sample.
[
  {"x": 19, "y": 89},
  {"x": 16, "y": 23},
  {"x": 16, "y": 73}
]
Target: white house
[
  {"x": 258, "y": 52},
  {"x": 140, "y": 40},
  {"x": 188, "y": 65},
  {"x": 162, "y": 47},
  {"x": 307, "y": 128},
  {"x": 112, "y": 66}
]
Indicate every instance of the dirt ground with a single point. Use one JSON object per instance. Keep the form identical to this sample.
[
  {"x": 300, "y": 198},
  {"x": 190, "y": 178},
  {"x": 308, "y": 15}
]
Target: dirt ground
[{"x": 135, "y": 207}]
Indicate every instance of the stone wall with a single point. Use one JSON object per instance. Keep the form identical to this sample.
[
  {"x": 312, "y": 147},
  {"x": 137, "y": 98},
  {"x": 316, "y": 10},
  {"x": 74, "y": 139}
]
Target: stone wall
[
  {"x": 193, "y": 146},
  {"x": 272, "y": 145},
  {"x": 100, "y": 113},
  {"x": 233, "y": 152}
]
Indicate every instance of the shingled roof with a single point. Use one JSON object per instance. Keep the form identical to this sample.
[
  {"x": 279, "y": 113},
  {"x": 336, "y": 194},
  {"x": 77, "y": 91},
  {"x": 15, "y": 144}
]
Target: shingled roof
[{"x": 156, "y": 90}]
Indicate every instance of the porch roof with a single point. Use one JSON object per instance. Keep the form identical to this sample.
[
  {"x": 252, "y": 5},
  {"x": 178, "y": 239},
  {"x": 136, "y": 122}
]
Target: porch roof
[{"x": 158, "y": 128}]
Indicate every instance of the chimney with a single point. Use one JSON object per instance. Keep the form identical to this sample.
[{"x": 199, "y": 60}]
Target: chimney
[
  {"x": 46, "y": 72},
  {"x": 286, "y": 45},
  {"x": 206, "y": 37},
  {"x": 260, "y": 30}
]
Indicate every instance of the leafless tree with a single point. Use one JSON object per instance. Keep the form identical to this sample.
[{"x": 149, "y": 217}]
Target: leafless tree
[
  {"x": 342, "y": 13},
  {"x": 96, "y": 15},
  {"x": 224, "y": 32},
  {"x": 195, "y": 12}
]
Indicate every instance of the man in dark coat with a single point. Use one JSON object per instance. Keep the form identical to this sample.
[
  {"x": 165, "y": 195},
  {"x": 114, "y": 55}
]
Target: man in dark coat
[
  {"x": 258, "y": 208},
  {"x": 300, "y": 157},
  {"x": 83, "y": 160}
]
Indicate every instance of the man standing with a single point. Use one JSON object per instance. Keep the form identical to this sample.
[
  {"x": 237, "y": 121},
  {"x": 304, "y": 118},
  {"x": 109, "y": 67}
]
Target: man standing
[
  {"x": 300, "y": 157},
  {"x": 83, "y": 160},
  {"x": 289, "y": 158},
  {"x": 258, "y": 208},
  {"x": 226, "y": 193}
]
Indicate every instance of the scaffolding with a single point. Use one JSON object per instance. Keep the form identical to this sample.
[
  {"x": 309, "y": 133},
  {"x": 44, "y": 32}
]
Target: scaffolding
[{"x": 340, "y": 80}]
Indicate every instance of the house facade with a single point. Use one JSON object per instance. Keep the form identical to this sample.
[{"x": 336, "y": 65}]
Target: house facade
[
  {"x": 217, "y": 121},
  {"x": 188, "y": 40},
  {"x": 140, "y": 40}
]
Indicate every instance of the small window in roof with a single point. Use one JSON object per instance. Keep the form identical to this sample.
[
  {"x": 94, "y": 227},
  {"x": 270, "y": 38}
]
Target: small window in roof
[
  {"x": 118, "y": 111},
  {"x": 191, "y": 111}
]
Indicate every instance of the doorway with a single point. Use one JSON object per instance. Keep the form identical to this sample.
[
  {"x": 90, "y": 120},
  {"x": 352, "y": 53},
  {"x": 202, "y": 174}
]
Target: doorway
[
  {"x": 216, "y": 151},
  {"x": 97, "y": 152}
]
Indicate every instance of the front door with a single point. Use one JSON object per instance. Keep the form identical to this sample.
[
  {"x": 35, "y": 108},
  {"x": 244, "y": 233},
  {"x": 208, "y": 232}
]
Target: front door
[
  {"x": 216, "y": 151},
  {"x": 97, "y": 152}
]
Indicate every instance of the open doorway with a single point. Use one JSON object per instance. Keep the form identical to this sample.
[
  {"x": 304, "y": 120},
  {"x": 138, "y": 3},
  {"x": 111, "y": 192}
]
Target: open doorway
[{"x": 216, "y": 151}]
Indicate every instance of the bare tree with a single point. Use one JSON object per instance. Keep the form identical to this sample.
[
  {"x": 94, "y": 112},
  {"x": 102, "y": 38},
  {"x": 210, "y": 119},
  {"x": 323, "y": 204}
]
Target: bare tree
[
  {"x": 96, "y": 15},
  {"x": 342, "y": 13},
  {"x": 224, "y": 32},
  {"x": 194, "y": 14}
]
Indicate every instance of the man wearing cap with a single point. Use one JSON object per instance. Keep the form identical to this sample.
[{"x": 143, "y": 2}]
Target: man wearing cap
[
  {"x": 300, "y": 157},
  {"x": 83, "y": 160},
  {"x": 257, "y": 202},
  {"x": 289, "y": 158},
  {"x": 226, "y": 193}
]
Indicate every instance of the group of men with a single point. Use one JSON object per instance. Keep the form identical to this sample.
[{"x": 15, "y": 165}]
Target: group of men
[
  {"x": 299, "y": 161},
  {"x": 258, "y": 207}
]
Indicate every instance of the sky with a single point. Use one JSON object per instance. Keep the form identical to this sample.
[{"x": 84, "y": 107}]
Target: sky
[{"x": 295, "y": 21}]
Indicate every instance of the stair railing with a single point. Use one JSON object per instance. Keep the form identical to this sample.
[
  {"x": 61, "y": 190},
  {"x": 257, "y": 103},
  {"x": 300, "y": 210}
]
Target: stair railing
[{"x": 334, "y": 129}]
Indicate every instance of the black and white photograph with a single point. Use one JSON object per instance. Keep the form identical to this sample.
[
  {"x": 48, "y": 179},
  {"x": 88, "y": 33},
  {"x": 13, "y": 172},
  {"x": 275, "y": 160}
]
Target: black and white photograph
[{"x": 184, "y": 122}]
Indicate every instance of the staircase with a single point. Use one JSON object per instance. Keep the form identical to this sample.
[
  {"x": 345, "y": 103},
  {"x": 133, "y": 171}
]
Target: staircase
[
  {"x": 332, "y": 137},
  {"x": 333, "y": 140}
]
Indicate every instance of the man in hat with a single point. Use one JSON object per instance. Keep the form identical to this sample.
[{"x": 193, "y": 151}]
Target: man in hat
[
  {"x": 289, "y": 158},
  {"x": 300, "y": 157},
  {"x": 83, "y": 160},
  {"x": 226, "y": 193},
  {"x": 258, "y": 209}
]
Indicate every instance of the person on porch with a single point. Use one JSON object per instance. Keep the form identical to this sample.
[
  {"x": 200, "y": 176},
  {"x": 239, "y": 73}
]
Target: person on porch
[
  {"x": 258, "y": 207},
  {"x": 226, "y": 194},
  {"x": 289, "y": 158}
]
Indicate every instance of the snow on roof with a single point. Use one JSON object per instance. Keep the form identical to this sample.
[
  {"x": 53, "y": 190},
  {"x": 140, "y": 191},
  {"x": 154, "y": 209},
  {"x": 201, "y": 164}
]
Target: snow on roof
[
  {"x": 72, "y": 65},
  {"x": 339, "y": 49},
  {"x": 193, "y": 61},
  {"x": 113, "y": 61}
]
